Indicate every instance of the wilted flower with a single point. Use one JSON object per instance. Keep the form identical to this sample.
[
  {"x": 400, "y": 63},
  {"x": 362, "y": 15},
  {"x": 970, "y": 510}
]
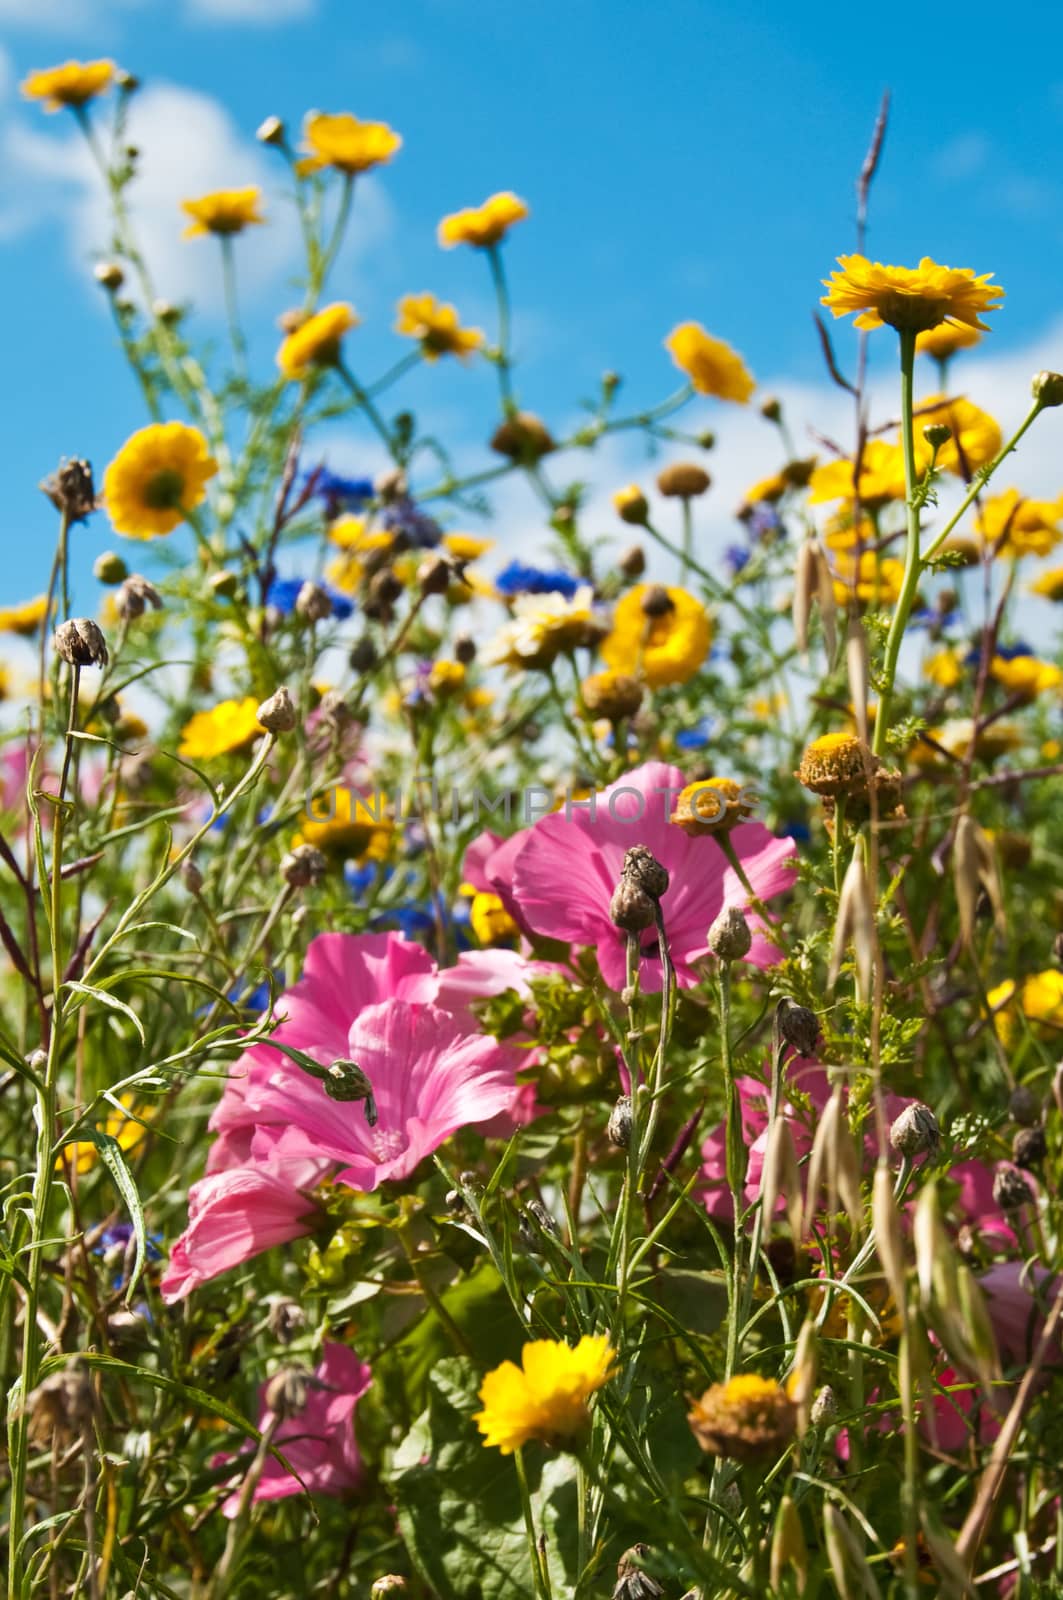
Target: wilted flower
[
  {"x": 81, "y": 643},
  {"x": 745, "y": 1419}
]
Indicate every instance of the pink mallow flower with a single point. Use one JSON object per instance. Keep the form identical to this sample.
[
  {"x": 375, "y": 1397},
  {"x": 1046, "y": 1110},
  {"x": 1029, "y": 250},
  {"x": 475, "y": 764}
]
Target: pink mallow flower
[
  {"x": 319, "y": 1441},
  {"x": 430, "y": 1076},
  {"x": 236, "y": 1214},
  {"x": 562, "y": 872}
]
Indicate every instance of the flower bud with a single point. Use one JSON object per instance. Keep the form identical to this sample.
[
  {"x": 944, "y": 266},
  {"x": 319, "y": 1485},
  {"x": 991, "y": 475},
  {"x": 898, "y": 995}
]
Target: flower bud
[
  {"x": 729, "y": 938},
  {"x": 303, "y": 865},
  {"x": 915, "y": 1131},
  {"x": 683, "y": 480},
  {"x": 287, "y": 1392},
  {"x": 193, "y": 878},
  {"x": 1029, "y": 1147},
  {"x": 706, "y": 439},
  {"x": 1047, "y": 388},
  {"x": 611, "y": 694},
  {"x": 334, "y": 711},
  {"x": 656, "y": 601},
  {"x": 277, "y": 714},
  {"x": 312, "y": 603},
  {"x": 631, "y": 505},
  {"x": 1010, "y": 1189},
  {"x": 535, "y": 1212},
  {"x": 771, "y": 409},
  {"x": 109, "y": 568},
  {"x": 224, "y": 584},
  {"x": 434, "y": 575},
  {"x": 1024, "y": 1105},
  {"x": 642, "y": 868},
  {"x": 465, "y": 649},
  {"x": 384, "y": 589},
  {"x": 135, "y": 596},
  {"x": 619, "y": 1126},
  {"x": 824, "y": 1406},
  {"x": 128, "y": 82},
  {"x": 523, "y": 437},
  {"x": 71, "y": 490},
  {"x": 798, "y": 1027},
  {"x": 632, "y": 561},
  {"x": 345, "y": 1081},
  {"x": 37, "y": 1060},
  {"x": 108, "y": 275},
  {"x": 81, "y": 643},
  {"x": 271, "y": 132},
  {"x": 937, "y": 434},
  {"x": 363, "y": 656},
  {"x": 631, "y": 908}
]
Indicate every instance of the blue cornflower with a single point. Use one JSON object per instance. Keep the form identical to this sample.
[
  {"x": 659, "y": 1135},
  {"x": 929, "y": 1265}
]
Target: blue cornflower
[
  {"x": 520, "y": 579},
  {"x": 284, "y": 592},
  {"x": 420, "y": 530},
  {"x": 800, "y": 832},
  {"x": 339, "y": 494},
  {"x": 736, "y": 557},
  {"x": 118, "y": 1236},
  {"x": 1006, "y": 652},
  {"x": 763, "y": 520},
  {"x": 697, "y": 736}
]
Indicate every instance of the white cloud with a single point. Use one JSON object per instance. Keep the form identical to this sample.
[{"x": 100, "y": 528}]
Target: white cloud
[
  {"x": 189, "y": 145},
  {"x": 260, "y": 13},
  {"x": 962, "y": 157}
]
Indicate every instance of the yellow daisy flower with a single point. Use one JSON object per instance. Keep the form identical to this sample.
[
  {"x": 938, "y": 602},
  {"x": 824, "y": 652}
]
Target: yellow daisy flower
[
  {"x": 316, "y": 342},
  {"x": 482, "y": 226},
  {"x": 880, "y": 480},
  {"x": 343, "y": 142},
  {"x": 542, "y": 627},
  {"x": 945, "y": 668},
  {"x": 875, "y": 581},
  {"x": 355, "y": 828},
  {"x": 24, "y": 619},
  {"x": 765, "y": 491},
  {"x": 1025, "y": 675},
  {"x": 909, "y": 298},
  {"x": 666, "y": 646},
  {"x": 976, "y": 437},
  {"x": 490, "y": 920},
  {"x": 1040, "y": 1001},
  {"x": 158, "y": 476},
  {"x": 423, "y": 317},
  {"x": 1049, "y": 585},
  {"x": 223, "y": 211},
  {"x": 843, "y": 531},
  {"x": 126, "y": 1129},
  {"x": 75, "y": 83},
  {"x": 355, "y": 534},
  {"x": 944, "y": 340},
  {"x": 467, "y": 546},
  {"x": 1016, "y": 527},
  {"x": 710, "y": 364},
  {"x": 229, "y": 726},
  {"x": 5, "y": 683},
  {"x": 546, "y": 1396}
]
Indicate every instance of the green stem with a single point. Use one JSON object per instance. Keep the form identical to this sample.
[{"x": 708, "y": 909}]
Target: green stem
[
  {"x": 232, "y": 309},
  {"x": 912, "y": 563},
  {"x": 504, "y": 360},
  {"x": 540, "y": 1571},
  {"x": 980, "y": 482},
  {"x": 735, "y": 1161}
]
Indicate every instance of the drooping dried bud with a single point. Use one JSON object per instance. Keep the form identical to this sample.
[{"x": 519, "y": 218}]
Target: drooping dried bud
[
  {"x": 642, "y": 868},
  {"x": 108, "y": 275},
  {"x": 1047, "y": 388},
  {"x": 334, "y": 711},
  {"x": 313, "y": 603},
  {"x": 363, "y": 656},
  {"x": 729, "y": 938},
  {"x": 1029, "y": 1147},
  {"x": 916, "y": 1131},
  {"x": 71, "y": 490},
  {"x": 523, "y": 437},
  {"x": 345, "y": 1081},
  {"x": 632, "y": 561},
  {"x": 683, "y": 480},
  {"x": 63, "y": 1404},
  {"x": 81, "y": 643},
  {"x": 287, "y": 1392},
  {"x": 619, "y": 1126},
  {"x": 109, "y": 568},
  {"x": 434, "y": 574},
  {"x": 1024, "y": 1105},
  {"x": 798, "y": 1027},
  {"x": 286, "y": 1318},
  {"x": 1010, "y": 1189},
  {"x": 193, "y": 878},
  {"x": 384, "y": 589},
  {"x": 611, "y": 694},
  {"x": 631, "y": 505},
  {"x": 134, "y": 597},
  {"x": 632, "y": 1583},
  {"x": 271, "y": 131},
  {"x": 824, "y": 1406},
  {"x": 277, "y": 714},
  {"x": 656, "y": 601},
  {"x": 303, "y": 865},
  {"x": 465, "y": 649},
  {"x": 631, "y": 908}
]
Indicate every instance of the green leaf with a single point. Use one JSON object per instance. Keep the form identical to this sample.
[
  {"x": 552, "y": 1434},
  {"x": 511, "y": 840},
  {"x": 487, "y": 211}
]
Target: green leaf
[
  {"x": 113, "y": 1159},
  {"x": 105, "y": 999}
]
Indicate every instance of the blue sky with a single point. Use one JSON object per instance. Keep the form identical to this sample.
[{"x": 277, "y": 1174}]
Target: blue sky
[{"x": 681, "y": 158}]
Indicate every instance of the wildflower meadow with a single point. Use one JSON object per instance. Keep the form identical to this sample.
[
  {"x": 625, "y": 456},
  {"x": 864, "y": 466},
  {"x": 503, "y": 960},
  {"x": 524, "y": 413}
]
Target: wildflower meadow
[{"x": 529, "y": 1075}]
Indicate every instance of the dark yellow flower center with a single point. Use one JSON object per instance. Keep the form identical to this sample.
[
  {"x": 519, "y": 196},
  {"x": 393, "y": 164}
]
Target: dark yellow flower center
[{"x": 163, "y": 492}]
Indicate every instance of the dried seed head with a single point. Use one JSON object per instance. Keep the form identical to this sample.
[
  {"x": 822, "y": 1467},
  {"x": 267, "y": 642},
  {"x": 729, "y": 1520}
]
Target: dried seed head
[
  {"x": 642, "y": 868},
  {"x": 334, "y": 710},
  {"x": 523, "y": 437},
  {"x": 632, "y": 1582},
  {"x": 1010, "y": 1189},
  {"x": 277, "y": 714},
  {"x": 287, "y": 1392},
  {"x": 363, "y": 656},
  {"x": 345, "y": 1081},
  {"x": 611, "y": 694},
  {"x": 303, "y": 865},
  {"x": 312, "y": 603},
  {"x": 81, "y": 643},
  {"x": 745, "y": 1419},
  {"x": 434, "y": 574},
  {"x": 384, "y": 589},
  {"x": 1024, "y": 1105},
  {"x": 109, "y": 568},
  {"x": 286, "y": 1318},
  {"x": 108, "y": 275},
  {"x": 631, "y": 908},
  {"x": 729, "y": 938},
  {"x": 683, "y": 480},
  {"x": 465, "y": 649},
  {"x": 135, "y": 596},
  {"x": 71, "y": 490},
  {"x": 632, "y": 561},
  {"x": 1029, "y": 1147},
  {"x": 619, "y": 1128},
  {"x": 834, "y": 764},
  {"x": 193, "y": 878},
  {"x": 1047, "y": 387},
  {"x": 915, "y": 1131},
  {"x": 712, "y": 805},
  {"x": 798, "y": 1027},
  {"x": 656, "y": 601},
  {"x": 63, "y": 1404}
]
